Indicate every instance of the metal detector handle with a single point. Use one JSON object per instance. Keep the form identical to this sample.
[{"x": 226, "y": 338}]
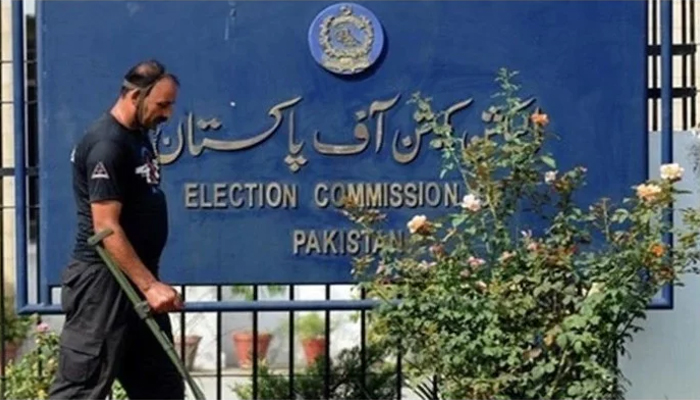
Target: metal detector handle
[{"x": 142, "y": 309}]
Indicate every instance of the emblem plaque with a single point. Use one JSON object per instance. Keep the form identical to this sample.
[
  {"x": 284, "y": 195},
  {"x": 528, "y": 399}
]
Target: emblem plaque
[{"x": 346, "y": 38}]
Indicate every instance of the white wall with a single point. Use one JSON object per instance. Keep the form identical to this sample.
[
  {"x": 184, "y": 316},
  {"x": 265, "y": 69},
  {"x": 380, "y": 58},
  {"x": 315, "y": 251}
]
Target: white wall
[
  {"x": 7, "y": 156},
  {"x": 665, "y": 358}
]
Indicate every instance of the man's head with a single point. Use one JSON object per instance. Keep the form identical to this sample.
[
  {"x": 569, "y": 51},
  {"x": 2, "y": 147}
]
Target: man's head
[{"x": 147, "y": 95}]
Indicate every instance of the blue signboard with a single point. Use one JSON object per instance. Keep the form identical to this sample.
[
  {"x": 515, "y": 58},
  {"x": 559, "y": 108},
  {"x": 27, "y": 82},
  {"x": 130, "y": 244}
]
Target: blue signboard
[{"x": 286, "y": 107}]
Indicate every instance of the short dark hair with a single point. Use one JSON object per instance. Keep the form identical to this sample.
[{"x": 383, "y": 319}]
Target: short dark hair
[{"x": 144, "y": 75}]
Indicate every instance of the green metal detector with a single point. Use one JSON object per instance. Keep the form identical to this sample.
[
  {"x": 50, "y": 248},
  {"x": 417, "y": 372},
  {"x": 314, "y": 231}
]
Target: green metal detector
[{"x": 143, "y": 310}]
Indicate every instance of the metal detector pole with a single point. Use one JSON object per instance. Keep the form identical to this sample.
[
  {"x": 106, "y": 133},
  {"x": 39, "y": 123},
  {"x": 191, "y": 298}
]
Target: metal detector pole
[{"x": 142, "y": 309}]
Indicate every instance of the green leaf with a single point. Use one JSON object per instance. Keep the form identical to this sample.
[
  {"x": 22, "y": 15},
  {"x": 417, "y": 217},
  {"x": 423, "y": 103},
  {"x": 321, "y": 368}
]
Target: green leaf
[
  {"x": 459, "y": 220},
  {"x": 562, "y": 340},
  {"x": 538, "y": 372},
  {"x": 620, "y": 215},
  {"x": 574, "y": 390},
  {"x": 576, "y": 321},
  {"x": 549, "y": 368},
  {"x": 549, "y": 161}
]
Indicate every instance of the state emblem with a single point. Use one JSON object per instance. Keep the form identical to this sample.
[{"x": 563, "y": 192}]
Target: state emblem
[{"x": 346, "y": 38}]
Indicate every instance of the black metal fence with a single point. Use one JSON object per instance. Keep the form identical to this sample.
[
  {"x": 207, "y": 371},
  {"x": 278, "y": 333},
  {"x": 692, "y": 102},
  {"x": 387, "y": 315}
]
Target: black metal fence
[{"x": 289, "y": 376}]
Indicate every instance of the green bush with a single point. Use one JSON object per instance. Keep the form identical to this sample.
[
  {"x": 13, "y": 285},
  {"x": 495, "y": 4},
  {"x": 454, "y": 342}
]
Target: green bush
[
  {"x": 345, "y": 379},
  {"x": 30, "y": 376},
  {"x": 16, "y": 327},
  {"x": 496, "y": 310}
]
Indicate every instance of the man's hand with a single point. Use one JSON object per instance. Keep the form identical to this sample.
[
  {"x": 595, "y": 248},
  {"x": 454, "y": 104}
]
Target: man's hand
[{"x": 162, "y": 298}]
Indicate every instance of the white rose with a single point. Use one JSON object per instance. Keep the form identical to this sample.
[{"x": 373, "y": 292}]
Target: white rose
[
  {"x": 648, "y": 192},
  {"x": 475, "y": 262},
  {"x": 417, "y": 223},
  {"x": 506, "y": 255},
  {"x": 550, "y": 176},
  {"x": 671, "y": 172},
  {"x": 471, "y": 203}
]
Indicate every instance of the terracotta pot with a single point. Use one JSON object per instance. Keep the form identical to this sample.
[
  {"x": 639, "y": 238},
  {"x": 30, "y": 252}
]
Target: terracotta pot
[
  {"x": 191, "y": 346},
  {"x": 10, "y": 352},
  {"x": 243, "y": 342},
  {"x": 314, "y": 348}
]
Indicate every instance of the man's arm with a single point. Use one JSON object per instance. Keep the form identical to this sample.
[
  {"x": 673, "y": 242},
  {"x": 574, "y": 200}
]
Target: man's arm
[
  {"x": 160, "y": 297},
  {"x": 105, "y": 215},
  {"x": 107, "y": 167}
]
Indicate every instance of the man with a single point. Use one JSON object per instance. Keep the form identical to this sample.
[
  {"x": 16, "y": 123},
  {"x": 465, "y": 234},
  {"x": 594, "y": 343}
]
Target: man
[{"x": 116, "y": 184}]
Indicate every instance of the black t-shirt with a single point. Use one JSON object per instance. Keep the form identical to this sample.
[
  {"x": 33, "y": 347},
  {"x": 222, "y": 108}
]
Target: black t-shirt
[{"x": 112, "y": 162}]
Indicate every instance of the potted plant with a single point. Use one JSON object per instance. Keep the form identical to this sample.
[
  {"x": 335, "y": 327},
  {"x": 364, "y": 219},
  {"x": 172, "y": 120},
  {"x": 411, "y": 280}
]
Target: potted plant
[
  {"x": 191, "y": 341},
  {"x": 311, "y": 328},
  {"x": 16, "y": 329},
  {"x": 191, "y": 346},
  {"x": 243, "y": 339}
]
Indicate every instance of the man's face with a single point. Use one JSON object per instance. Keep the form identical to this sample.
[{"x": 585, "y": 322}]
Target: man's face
[{"x": 158, "y": 105}]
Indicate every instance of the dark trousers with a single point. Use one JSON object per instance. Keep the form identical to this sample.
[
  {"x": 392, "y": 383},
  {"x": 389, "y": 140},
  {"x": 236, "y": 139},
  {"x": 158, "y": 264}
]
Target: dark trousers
[{"x": 103, "y": 339}]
